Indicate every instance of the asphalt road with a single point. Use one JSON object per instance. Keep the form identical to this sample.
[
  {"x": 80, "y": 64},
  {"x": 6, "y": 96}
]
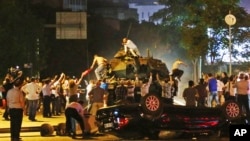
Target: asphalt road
[
  {"x": 27, "y": 135},
  {"x": 35, "y": 136}
]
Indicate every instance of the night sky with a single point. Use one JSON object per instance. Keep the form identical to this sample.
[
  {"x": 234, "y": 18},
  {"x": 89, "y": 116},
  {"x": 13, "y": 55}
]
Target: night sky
[{"x": 246, "y": 5}]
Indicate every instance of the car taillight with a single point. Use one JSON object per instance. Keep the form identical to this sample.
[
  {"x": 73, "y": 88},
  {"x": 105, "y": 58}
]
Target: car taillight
[{"x": 121, "y": 122}]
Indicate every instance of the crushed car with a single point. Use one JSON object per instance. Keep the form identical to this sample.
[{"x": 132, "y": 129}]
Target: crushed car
[{"x": 151, "y": 116}]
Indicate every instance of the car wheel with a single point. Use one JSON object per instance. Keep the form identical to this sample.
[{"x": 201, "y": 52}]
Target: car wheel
[
  {"x": 152, "y": 106},
  {"x": 231, "y": 110}
]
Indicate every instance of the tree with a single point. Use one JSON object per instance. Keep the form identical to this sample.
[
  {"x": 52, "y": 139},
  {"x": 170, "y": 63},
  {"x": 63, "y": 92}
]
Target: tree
[
  {"x": 20, "y": 31},
  {"x": 192, "y": 20}
]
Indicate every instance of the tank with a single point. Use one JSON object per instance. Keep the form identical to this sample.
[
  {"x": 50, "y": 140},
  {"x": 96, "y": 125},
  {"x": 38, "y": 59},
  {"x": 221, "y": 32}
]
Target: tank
[{"x": 126, "y": 66}]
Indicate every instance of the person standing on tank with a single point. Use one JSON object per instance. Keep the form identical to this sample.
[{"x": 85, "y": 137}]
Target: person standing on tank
[
  {"x": 101, "y": 62},
  {"x": 130, "y": 46}
]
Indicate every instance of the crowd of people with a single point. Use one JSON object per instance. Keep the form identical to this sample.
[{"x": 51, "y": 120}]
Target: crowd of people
[
  {"x": 60, "y": 94},
  {"x": 30, "y": 95},
  {"x": 57, "y": 95},
  {"x": 214, "y": 90}
]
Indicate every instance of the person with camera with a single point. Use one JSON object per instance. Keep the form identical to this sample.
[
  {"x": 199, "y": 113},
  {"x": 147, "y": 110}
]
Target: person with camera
[{"x": 11, "y": 77}]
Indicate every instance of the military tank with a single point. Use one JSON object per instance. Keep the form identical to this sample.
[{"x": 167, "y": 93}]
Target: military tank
[{"x": 124, "y": 65}]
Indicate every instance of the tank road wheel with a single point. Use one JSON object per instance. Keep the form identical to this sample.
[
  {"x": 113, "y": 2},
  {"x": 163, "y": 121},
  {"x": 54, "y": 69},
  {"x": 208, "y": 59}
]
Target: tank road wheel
[
  {"x": 152, "y": 106},
  {"x": 46, "y": 130},
  {"x": 61, "y": 129},
  {"x": 231, "y": 110}
]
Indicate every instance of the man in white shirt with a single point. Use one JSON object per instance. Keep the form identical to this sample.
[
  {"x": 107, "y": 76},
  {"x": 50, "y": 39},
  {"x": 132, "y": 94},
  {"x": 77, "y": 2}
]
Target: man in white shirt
[
  {"x": 130, "y": 45},
  {"x": 32, "y": 91},
  {"x": 145, "y": 85},
  {"x": 55, "y": 98},
  {"x": 15, "y": 102}
]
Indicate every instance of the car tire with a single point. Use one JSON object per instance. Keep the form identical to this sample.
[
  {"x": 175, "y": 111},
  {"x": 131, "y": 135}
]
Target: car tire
[
  {"x": 231, "y": 110},
  {"x": 152, "y": 106}
]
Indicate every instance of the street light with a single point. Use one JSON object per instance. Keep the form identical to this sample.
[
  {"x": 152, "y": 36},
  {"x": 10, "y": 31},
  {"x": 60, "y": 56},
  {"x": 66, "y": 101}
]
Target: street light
[{"x": 230, "y": 20}]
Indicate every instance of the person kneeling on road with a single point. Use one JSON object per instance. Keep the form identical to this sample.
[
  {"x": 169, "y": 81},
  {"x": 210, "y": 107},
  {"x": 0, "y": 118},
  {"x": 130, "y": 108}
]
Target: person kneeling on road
[{"x": 74, "y": 110}]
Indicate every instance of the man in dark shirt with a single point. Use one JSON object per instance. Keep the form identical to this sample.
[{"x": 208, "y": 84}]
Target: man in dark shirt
[
  {"x": 121, "y": 91},
  {"x": 97, "y": 97},
  {"x": 202, "y": 91},
  {"x": 190, "y": 94}
]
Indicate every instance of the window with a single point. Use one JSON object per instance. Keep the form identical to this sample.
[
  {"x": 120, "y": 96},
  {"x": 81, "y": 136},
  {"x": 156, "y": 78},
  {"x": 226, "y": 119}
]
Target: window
[{"x": 74, "y": 5}]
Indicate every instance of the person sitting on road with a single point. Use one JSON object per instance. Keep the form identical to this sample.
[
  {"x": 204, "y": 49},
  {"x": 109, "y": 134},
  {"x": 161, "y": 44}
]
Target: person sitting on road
[
  {"x": 130, "y": 45},
  {"x": 101, "y": 62}
]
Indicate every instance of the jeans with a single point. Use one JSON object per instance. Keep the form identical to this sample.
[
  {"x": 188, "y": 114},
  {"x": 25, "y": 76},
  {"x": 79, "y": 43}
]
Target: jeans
[
  {"x": 99, "y": 70},
  {"x": 213, "y": 96},
  {"x": 71, "y": 116},
  {"x": 32, "y": 108},
  {"x": 56, "y": 106}
]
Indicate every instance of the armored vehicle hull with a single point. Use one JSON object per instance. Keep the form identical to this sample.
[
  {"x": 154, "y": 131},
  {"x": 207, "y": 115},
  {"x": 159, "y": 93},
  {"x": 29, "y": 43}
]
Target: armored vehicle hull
[{"x": 126, "y": 66}]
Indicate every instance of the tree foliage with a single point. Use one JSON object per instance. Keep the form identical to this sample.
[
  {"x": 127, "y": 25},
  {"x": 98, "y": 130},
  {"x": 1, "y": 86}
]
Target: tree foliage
[
  {"x": 19, "y": 31},
  {"x": 200, "y": 28}
]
